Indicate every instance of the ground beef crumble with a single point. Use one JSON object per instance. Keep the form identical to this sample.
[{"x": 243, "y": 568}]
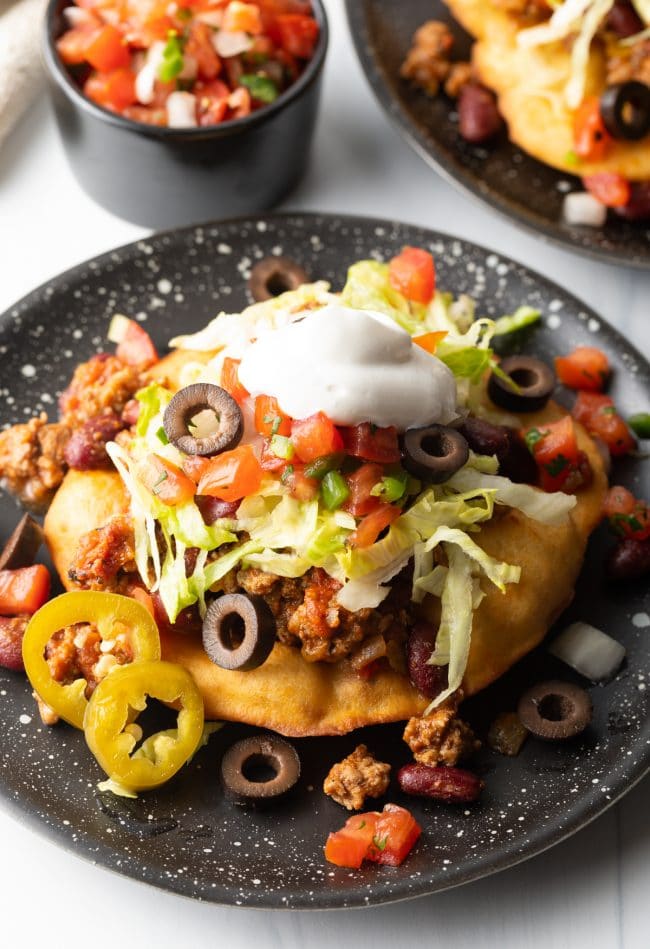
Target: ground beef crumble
[
  {"x": 440, "y": 738},
  {"x": 628, "y": 63},
  {"x": 355, "y": 778},
  {"x": 32, "y": 461},
  {"x": 104, "y": 559},
  {"x": 428, "y": 62},
  {"x": 104, "y": 382}
]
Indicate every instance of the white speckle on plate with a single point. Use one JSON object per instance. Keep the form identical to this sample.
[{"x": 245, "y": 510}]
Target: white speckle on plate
[
  {"x": 164, "y": 285},
  {"x": 25, "y": 719},
  {"x": 224, "y": 248},
  {"x": 28, "y": 371},
  {"x": 554, "y": 321},
  {"x": 641, "y": 620},
  {"x": 593, "y": 325}
]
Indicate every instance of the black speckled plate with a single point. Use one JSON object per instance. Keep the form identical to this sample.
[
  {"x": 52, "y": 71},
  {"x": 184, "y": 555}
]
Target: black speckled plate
[
  {"x": 525, "y": 190},
  {"x": 186, "y": 837}
]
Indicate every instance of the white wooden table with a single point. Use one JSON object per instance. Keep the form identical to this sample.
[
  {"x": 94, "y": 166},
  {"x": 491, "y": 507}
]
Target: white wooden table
[{"x": 591, "y": 891}]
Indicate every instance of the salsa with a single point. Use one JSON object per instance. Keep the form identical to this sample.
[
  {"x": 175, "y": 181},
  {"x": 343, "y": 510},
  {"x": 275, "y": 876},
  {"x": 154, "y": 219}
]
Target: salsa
[{"x": 188, "y": 63}]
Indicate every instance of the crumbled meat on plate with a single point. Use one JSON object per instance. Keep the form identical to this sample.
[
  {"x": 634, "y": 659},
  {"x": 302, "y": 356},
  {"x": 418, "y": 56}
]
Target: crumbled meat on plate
[
  {"x": 31, "y": 460},
  {"x": 103, "y": 383},
  {"x": 428, "y": 61},
  {"x": 440, "y": 738},
  {"x": 460, "y": 75},
  {"x": 631, "y": 62},
  {"x": 104, "y": 556},
  {"x": 355, "y": 778}
]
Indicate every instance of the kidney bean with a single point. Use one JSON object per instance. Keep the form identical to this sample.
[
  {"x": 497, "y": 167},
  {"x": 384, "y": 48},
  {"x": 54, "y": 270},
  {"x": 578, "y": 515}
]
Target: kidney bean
[
  {"x": 451, "y": 785},
  {"x": 213, "y": 508},
  {"x": 629, "y": 560},
  {"x": 86, "y": 448},
  {"x": 478, "y": 115},
  {"x": 623, "y": 19},
  {"x": 638, "y": 207},
  {"x": 429, "y": 680},
  {"x": 191, "y": 556},
  {"x": 485, "y": 438},
  {"x": 12, "y": 630}
]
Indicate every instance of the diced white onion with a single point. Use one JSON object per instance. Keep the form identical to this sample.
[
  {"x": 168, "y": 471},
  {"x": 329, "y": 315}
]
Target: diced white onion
[
  {"x": 117, "y": 328},
  {"x": 582, "y": 208},
  {"x": 77, "y": 16},
  {"x": 145, "y": 81},
  {"x": 589, "y": 651},
  {"x": 181, "y": 110},
  {"x": 229, "y": 43}
]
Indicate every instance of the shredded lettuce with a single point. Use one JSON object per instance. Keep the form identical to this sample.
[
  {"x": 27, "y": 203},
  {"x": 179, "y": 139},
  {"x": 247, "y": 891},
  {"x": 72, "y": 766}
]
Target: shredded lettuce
[
  {"x": 548, "y": 508},
  {"x": 455, "y": 629},
  {"x": 522, "y": 317},
  {"x": 368, "y": 288}
]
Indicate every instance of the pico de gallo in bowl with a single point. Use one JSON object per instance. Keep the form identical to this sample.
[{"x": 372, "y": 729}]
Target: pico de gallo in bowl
[{"x": 190, "y": 63}]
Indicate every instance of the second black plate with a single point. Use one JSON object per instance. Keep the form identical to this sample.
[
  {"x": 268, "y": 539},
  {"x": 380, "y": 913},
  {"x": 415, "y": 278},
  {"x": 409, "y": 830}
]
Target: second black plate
[{"x": 525, "y": 190}]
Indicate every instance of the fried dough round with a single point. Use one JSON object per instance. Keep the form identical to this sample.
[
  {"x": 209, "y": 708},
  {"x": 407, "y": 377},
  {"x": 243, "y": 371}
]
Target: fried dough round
[
  {"x": 298, "y": 698},
  {"x": 530, "y": 83}
]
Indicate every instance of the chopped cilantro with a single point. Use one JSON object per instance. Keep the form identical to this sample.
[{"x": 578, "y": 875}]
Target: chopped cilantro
[
  {"x": 163, "y": 477},
  {"x": 532, "y": 437},
  {"x": 380, "y": 844},
  {"x": 172, "y": 58},
  {"x": 260, "y": 87},
  {"x": 557, "y": 465}
]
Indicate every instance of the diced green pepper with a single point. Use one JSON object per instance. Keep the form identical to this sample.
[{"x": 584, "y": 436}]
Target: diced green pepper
[
  {"x": 260, "y": 87},
  {"x": 334, "y": 490},
  {"x": 640, "y": 424},
  {"x": 281, "y": 447}
]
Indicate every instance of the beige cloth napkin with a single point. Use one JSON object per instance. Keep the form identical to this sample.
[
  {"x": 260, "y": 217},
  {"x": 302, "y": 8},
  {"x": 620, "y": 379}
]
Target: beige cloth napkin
[{"x": 21, "y": 70}]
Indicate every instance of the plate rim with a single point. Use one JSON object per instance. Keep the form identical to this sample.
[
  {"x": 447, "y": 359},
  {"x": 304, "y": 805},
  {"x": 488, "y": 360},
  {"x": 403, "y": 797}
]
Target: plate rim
[
  {"x": 336, "y": 899},
  {"x": 463, "y": 181}
]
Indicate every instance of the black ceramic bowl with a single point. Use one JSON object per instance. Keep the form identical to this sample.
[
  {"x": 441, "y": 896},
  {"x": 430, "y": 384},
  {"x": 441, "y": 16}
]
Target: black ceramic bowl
[{"x": 164, "y": 177}]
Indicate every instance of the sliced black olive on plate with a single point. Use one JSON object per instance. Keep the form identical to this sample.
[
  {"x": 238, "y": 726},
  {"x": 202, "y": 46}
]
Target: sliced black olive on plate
[
  {"x": 434, "y": 453},
  {"x": 625, "y": 110},
  {"x": 189, "y": 402},
  {"x": 23, "y": 545},
  {"x": 272, "y": 276},
  {"x": 239, "y": 631},
  {"x": 555, "y": 710},
  {"x": 534, "y": 380},
  {"x": 259, "y": 769}
]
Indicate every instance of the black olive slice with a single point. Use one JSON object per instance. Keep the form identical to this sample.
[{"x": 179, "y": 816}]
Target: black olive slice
[
  {"x": 23, "y": 545},
  {"x": 555, "y": 710},
  {"x": 625, "y": 110},
  {"x": 434, "y": 453},
  {"x": 272, "y": 276},
  {"x": 259, "y": 769},
  {"x": 196, "y": 398},
  {"x": 534, "y": 379},
  {"x": 239, "y": 631}
]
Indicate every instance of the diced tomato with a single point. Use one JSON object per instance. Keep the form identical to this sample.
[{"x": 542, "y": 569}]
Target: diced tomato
[
  {"x": 296, "y": 34},
  {"x": 270, "y": 461},
  {"x": 113, "y": 90},
  {"x": 585, "y": 368},
  {"x": 373, "y": 524},
  {"x": 361, "y": 482},
  {"x": 232, "y": 474},
  {"x": 609, "y": 188},
  {"x": 230, "y": 380},
  {"x": 107, "y": 50},
  {"x": 301, "y": 487},
  {"x": 349, "y": 846},
  {"x": 590, "y": 137},
  {"x": 199, "y": 46},
  {"x": 396, "y": 833},
  {"x": 23, "y": 590},
  {"x": 387, "y": 838},
  {"x": 72, "y": 45},
  {"x": 242, "y": 17},
  {"x": 413, "y": 274},
  {"x": 429, "y": 341},
  {"x": 269, "y": 417},
  {"x": 627, "y": 516},
  {"x": 165, "y": 480},
  {"x": 194, "y": 466},
  {"x": 599, "y": 416},
  {"x": 211, "y": 102},
  {"x": 134, "y": 345},
  {"x": 555, "y": 449},
  {"x": 314, "y": 437},
  {"x": 371, "y": 443}
]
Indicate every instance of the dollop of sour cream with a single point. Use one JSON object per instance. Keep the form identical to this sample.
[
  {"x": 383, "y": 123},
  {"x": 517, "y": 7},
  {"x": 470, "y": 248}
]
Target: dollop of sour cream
[{"x": 353, "y": 365}]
